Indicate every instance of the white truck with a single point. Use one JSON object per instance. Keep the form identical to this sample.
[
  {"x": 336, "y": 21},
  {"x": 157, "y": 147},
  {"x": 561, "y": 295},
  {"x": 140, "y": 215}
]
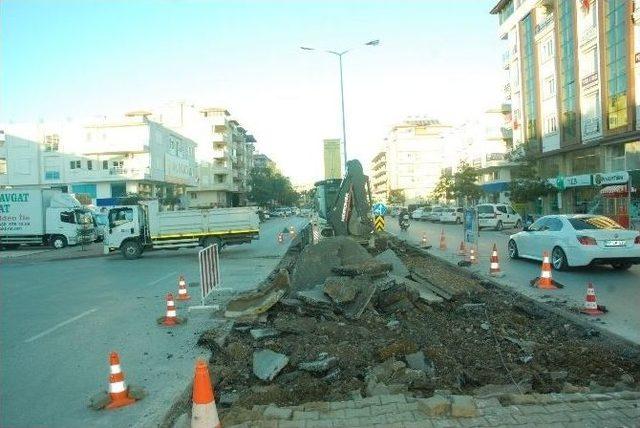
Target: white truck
[
  {"x": 42, "y": 216},
  {"x": 136, "y": 228}
]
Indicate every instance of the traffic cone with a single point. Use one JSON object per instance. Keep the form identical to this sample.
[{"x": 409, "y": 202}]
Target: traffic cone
[
  {"x": 280, "y": 238},
  {"x": 443, "y": 242},
  {"x": 292, "y": 231},
  {"x": 203, "y": 412},
  {"x": 183, "y": 294},
  {"x": 590, "y": 304},
  {"x": 494, "y": 267},
  {"x": 170, "y": 319},
  {"x": 118, "y": 391},
  {"x": 472, "y": 255},
  {"x": 423, "y": 243},
  {"x": 545, "y": 280},
  {"x": 462, "y": 251}
]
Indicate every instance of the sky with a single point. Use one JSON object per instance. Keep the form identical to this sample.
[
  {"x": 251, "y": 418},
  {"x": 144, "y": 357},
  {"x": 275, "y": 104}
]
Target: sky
[{"x": 79, "y": 59}]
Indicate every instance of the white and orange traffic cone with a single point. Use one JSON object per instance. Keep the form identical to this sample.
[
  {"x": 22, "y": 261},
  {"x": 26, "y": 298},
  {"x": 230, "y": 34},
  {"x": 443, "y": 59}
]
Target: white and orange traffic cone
[
  {"x": 590, "y": 303},
  {"x": 292, "y": 231},
  {"x": 280, "y": 238},
  {"x": 472, "y": 255},
  {"x": 545, "y": 280},
  {"x": 183, "y": 294},
  {"x": 494, "y": 267},
  {"x": 443, "y": 242},
  {"x": 118, "y": 391},
  {"x": 170, "y": 319},
  {"x": 462, "y": 251},
  {"x": 203, "y": 412},
  {"x": 423, "y": 242}
]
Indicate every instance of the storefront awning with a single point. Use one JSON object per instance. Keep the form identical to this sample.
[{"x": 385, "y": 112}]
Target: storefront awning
[
  {"x": 495, "y": 187},
  {"x": 616, "y": 191}
]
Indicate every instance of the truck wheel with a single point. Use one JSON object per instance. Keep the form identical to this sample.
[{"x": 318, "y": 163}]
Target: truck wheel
[
  {"x": 131, "y": 250},
  {"x": 59, "y": 241}
]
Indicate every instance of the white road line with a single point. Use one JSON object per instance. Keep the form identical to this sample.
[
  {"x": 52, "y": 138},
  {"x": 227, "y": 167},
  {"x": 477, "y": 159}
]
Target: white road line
[
  {"x": 57, "y": 326},
  {"x": 163, "y": 278}
]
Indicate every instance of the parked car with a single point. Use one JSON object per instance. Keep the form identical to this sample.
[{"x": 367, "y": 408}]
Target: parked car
[
  {"x": 435, "y": 213},
  {"x": 417, "y": 214},
  {"x": 577, "y": 240},
  {"x": 426, "y": 212},
  {"x": 452, "y": 215},
  {"x": 498, "y": 216}
]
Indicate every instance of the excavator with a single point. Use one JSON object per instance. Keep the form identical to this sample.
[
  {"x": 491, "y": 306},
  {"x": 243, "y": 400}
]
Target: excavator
[{"x": 344, "y": 206}]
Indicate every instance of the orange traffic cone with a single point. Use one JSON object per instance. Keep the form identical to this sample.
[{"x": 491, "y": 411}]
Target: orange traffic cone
[
  {"x": 590, "y": 304},
  {"x": 494, "y": 267},
  {"x": 423, "y": 242},
  {"x": 203, "y": 413},
  {"x": 183, "y": 294},
  {"x": 462, "y": 251},
  {"x": 118, "y": 391},
  {"x": 280, "y": 238},
  {"x": 443, "y": 242},
  {"x": 171, "y": 318},
  {"x": 545, "y": 280}
]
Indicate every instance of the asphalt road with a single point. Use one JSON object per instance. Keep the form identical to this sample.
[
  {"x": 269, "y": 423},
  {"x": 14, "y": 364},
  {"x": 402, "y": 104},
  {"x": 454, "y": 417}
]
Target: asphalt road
[
  {"x": 618, "y": 291},
  {"x": 60, "y": 320}
]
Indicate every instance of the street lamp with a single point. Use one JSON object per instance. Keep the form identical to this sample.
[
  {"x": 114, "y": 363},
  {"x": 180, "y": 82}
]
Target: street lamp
[{"x": 339, "y": 55}]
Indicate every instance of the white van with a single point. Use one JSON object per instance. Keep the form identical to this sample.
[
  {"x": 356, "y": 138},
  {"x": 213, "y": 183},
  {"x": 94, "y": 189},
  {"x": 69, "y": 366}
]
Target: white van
[{"x": 498, "y": 216}]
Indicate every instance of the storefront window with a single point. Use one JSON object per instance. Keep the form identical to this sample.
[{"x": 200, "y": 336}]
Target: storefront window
[
  {"x": 614, "y": 159},
  {"x": 586, "y": 162},
  {"x": 632, "y": 155}
]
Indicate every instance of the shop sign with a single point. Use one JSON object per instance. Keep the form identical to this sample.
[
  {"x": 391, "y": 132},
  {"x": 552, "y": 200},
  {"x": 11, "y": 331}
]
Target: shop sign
[
  {"x": 610, "y": 178},
  {"x": 578, "y": 180}
]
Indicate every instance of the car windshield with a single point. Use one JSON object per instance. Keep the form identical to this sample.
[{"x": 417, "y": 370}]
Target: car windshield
[
  {"x": 101, "y": 219},
  {"x": 485, "y": 209},
  {"x": 595, "y": 222}
]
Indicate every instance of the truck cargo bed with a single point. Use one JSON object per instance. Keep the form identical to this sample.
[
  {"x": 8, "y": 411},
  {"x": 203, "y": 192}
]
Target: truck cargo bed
[{"x": 218, "y": 221}]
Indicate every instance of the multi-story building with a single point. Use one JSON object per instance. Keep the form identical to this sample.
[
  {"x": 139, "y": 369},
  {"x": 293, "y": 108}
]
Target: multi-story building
[
  {"x": 102, "y": 160},
  {"x": 412, "y": 159},
  {"x": 378, "y": 178},
  {"x": 572, "y": 77},
  {"x": 224, "y": 152},
  {"x": 261, "y": 160},
  {"x": 332, "y": 159}
]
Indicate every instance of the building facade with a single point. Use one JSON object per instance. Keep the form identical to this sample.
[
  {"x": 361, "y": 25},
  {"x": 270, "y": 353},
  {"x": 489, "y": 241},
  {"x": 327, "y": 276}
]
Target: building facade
[
  {"x": 411, "y": 160},
  {"x": 332, "y": 159},
  {"x": 102, "y": 160},
  {"x": 224, "y": 152},
  {"x": 571, "y": 71},
  {"x": 262, "y": 161}
]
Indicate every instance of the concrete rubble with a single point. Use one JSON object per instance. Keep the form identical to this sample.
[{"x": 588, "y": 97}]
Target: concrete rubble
[{"x": 267, "y": 364}]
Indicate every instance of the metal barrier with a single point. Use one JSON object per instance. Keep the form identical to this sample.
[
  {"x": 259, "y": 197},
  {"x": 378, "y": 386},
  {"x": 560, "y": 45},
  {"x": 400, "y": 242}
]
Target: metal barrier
[{"x": 209, "y": 270}]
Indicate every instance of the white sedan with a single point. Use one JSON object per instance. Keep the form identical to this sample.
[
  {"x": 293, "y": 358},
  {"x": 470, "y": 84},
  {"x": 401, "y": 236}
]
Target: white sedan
[{"x": 577, "y": 240}]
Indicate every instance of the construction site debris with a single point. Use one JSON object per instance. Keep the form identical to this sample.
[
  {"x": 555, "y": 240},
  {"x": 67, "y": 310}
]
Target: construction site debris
[
  {"x": 368, "y": 267},
  {"x": 491, "y": 390},
  {"x": 258, "y": 302},
  {"x": 354, "y": 310},
  {"x": 418, "y": 361},
  {"x": 267, "y": 364},
  {"x": 321, "y": 365},
  {"x": 341, "y": 289},
  {"x": 435, "y": 406},
  {"x": 261, "y": 333},
  {"x": 398, "y": 267},
  {"x": 424, "y": 293},
  {"x": 315, "y": 297},
  {"x": 463, "y": 406}
]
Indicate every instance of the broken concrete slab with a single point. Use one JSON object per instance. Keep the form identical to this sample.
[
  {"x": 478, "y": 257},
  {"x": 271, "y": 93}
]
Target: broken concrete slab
[
  {"x": 267, "y": 364},
  {"x": 398, "y": 267},
  {"x": 418, "y": 361},
  {"x": 315, "y": 297},
  {"x": 320, "y": 365},
  {"x": 368, "y": 267},
  {"x": 260, "y": 301},
  {"x": 316, "y": 261},
  {"x": 463, "y": 406},
  {"x": 341, "y": 289},
  {"x": 261, "y": 333},
  {"x": 424, "y": 292},
  {"x": 355, "y": 309}
]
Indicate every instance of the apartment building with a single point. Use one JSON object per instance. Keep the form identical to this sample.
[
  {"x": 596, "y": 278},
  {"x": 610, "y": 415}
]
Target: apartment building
[
  {"x": 572, "y": 70},
  {"x": 378, "y": 179},
  {"x": 412, "y": 159},
  {"x": 103, "y": 160},
  {"x": 261, "y": 160},
  {"x": 224, "y": 152}
]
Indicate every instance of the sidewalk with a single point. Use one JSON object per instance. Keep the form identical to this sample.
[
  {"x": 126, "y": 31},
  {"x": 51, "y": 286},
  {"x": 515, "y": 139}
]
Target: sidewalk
[
  {"x": 615, "y": 409},
  {"x": 46, "y": 254}
]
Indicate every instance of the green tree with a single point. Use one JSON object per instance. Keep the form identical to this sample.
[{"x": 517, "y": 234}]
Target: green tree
[
  {"x": 443, "y": 191},
  {"x": 526, "y": 185},
  {"x": 465, "y": 189},
  {"x": 269, "y": 187},
  {"x": 83, "y": 198},
  {"x": 396, "y": 197}
]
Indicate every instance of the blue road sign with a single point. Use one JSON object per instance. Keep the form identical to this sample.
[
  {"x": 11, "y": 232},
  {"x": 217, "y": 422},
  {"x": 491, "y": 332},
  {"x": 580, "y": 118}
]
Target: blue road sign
[{"x": 379, "y": 209}]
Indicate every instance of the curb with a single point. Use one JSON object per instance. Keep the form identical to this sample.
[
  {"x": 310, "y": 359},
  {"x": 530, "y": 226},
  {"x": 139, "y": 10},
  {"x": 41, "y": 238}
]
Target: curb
[
  {"x": 581, "y": 322},
  {"x": 24, "y": 260}
]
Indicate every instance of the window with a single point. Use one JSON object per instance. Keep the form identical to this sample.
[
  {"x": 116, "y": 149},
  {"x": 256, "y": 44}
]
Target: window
[
  {"x": 502, "y": 209},
  {"x": 118, "y": 164},
  {"x": 67, "y": 217},
  {"x": 567, "y": 69},
  {"x": 549, "y": 87},
  {"x": 547, "y": 49},
  {"x": 89, "y": 165},
  {"x": 3, "y": 166},
  {"x": 551, "y": 125},
  {"x": 74, "y": 164},
  {"x": 593, "y": 222},
  {"x": 52, "y": 175},
  {"x": 553, "y": 225},
  {"x": 538, "y": 225},
  {"x": 616, "y": 62},
  {"x": 528, "y": 82},
  {"x": 194, "y": 195},
  {"x": 105, "y": 164},
  {"x": 51, "y": 143},
  {"x": 614, "y": 158},
  {"x": 119, "y": 216}
]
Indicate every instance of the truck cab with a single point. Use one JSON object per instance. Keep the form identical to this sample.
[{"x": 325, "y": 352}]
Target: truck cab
[{"x": 126, "y": 230}]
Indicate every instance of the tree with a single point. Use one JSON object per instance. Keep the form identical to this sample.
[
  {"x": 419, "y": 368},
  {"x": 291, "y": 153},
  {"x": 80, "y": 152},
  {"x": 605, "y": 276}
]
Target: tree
[
  {"x": 444, "y": 187},
  {"x": 83, "y": 198},
  {"x": 396, "y": 197},
  {"x": 465, "y": 189},
  {"x": 268, "y": 186},
  {"x": 526, "y": 185}
]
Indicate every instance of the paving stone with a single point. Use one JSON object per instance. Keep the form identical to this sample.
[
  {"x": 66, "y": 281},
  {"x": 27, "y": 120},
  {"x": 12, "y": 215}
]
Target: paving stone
[
  {"x": 435, "y": 406},
  {"x": 384, "y": 409},
  {"x": 357, "y": 413},
  {"x": 274, "y": 412},
  {"x": 555, "y": 417},
  {"x": 445, "y": 423},
  {"x": 528, "y": 419},
  {"x": 554, "y": 408},
  {"x": 498, "y": 419},
  {"x": 633, "y": 413},
  {"x": 291, "y": 424},
  {"x": 336, "y": 414},
  {"x": 476, "y": 422},
  {"x": 483, "y": 403},
  {"x": 463, "y": 406},
  {"x": 319, "y": 424},
  {"x": 533, "y": 410},
  {"x": 373, "y": 401},
  {"x": 401, "y": 417},
  {"x": 299, "y": 415},
  {"x": 580, "y": 424},
  {"x": 397, "y": 398},
  {"x": 407, "y": 407},
  {"x": 418, "y": 424}
]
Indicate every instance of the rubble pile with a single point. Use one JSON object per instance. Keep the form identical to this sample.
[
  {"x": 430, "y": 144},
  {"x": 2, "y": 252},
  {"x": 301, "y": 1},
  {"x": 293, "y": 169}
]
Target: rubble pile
[{"x": 348, "y": 324}]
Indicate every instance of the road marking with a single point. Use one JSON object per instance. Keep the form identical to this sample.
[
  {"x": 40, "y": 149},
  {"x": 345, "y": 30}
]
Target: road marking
[
  {"x": 57, "y": 326},
  {"x": 162, "y": 279}
]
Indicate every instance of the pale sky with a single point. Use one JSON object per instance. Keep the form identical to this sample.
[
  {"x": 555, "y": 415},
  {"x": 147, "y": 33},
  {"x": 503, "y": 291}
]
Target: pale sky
[{"x": 84, "y": 58}]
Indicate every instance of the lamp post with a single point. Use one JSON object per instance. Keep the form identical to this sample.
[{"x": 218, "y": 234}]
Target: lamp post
[{"x": 344, "y": 128}]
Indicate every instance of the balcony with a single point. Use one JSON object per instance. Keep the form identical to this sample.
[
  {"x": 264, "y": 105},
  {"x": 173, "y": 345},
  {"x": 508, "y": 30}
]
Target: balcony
[
  {"x": 507, "y": 133},
  {"x": 218, "y": 138},
  {"x": 507, "y": 91},
  {"x": 506, "y": 60},
  {"x": 494, "y": 159},
  {"x": 544, "y": 24},
  {"x": 220, "y": 154}
]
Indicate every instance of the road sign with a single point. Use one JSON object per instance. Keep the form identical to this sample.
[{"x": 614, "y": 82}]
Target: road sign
[
  {"x": 379, "y": 209},
  {"x": 470, "y": 226},
  {"x": 378, "y": 222}
]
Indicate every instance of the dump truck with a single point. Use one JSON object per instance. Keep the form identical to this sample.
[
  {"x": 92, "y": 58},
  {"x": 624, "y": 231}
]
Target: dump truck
[
  {"x": 42, "y": 217},
  {"x": 133, "y": 229}
]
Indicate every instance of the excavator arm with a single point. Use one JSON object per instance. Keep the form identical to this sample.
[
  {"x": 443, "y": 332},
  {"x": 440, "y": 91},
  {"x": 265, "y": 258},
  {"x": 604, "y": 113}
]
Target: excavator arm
[{"x": 350, "y": 214}]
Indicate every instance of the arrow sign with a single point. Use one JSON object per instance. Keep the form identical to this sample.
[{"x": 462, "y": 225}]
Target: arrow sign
[
  {"x": 379, "y": 209},
  {"x": 378, "y": 222}
]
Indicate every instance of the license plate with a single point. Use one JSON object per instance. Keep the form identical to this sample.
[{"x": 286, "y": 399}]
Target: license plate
[{"x": 614, "y": 243}]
